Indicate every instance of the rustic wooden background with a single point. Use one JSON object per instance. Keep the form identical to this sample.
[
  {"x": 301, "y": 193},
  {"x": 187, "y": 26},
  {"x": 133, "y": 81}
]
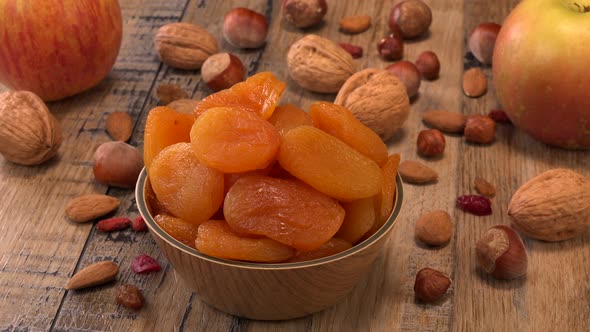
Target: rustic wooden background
[{"x": 40, "y": 249}]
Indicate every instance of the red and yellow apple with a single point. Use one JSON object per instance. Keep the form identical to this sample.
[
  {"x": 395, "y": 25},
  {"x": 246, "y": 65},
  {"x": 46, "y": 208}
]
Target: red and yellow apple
[
  {"x": 58, "y": 48},
  {"x": 541, "y": 70}
]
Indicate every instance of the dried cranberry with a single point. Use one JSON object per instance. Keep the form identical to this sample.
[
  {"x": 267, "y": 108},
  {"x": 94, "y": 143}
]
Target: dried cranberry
[
  {"x": 499, "y": 116},
  {"x": 475, "y": 204},
  {"x": 145, "y": 264},
  {"x": 113, "y": 224},
  {"x": 129, "y": 296},
  {"x": 355, "y": 51},
  {"x": 138, "y": 224}
]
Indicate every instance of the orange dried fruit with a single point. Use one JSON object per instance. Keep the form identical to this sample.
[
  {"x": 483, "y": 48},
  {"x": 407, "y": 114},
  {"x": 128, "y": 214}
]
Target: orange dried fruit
[
  {"x": 187, "y": 188},
  {"x": 164, "y": 126},
  {"x": 215, "y": 238},
  {"x": 359, "y": 219},
  {"x": 339, "y": 122},
  {"x": 329, "y": 165},
  {"x": 332, "y": 247},
  {"x": 288, "y": 211},
  {"x": 233, "y": 140},
  {"x": 259, "y": 94},
  {"x": 179, "y": 229},
  {"x": 388, "y": 190},
  {"x": 153, "y": 204},
  {"x": 289, "y": 116}
]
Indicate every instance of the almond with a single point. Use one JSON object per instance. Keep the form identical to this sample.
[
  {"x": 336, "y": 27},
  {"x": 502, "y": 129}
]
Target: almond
[
  {"x": 119, "y": 126},
  {"x": 484, "y": 187},
  {"x": 168, "y": 93},
  {"x": 355, "y": 24},
  {"x": 416, "y": 172},
  {"x": 447, "y": 121},
  {"x": 184, "y": 105},
  {"x": 475, "y": 82},
  {"x": 92, "y": 275},
  {"x": 88, "y": 207}
]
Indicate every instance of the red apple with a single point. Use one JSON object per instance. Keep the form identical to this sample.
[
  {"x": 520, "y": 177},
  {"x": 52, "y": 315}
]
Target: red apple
[
  {"x": 58, "y": 48},
  {"x": 540, "y": 70}
]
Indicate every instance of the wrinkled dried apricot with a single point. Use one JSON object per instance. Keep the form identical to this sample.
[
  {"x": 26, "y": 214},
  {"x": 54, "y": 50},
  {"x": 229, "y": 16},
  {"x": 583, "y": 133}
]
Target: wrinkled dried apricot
[
  {"x": 288, "y": 211},
  {"x": 216, "y": 239},
  {"x": 179, "y": 229},
  {"x": 231, "y": 178},
  {"x": 329, "y": 165},
  {"x": 260, "y": 94},
  {"x": 332, "y": 247},
  {"x": 289, "y": 116},
  {"x": 233, "y": 140},
  {"x": 153, "y": 204},
  {"x": 359, "y": 218},
  {"x": 388, "y": 191},
  {"x": 339, "y": 122},
  {"x": 164, "y": 127},
  {"x": 187, "y": 188}
]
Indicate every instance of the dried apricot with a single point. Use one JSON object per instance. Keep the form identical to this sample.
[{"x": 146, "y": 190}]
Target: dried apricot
[
  {"x": 153, "y": 204},
  {"x": 288, "y": 211},
  {"x": 260, "y": 94},
  {"x": 216, "y": 239},
  {"x": 233, "y": 140},
  {"x": 289, "y": 116},
  {"x": 186, "y": 187},
  {"x": 339, "y": 122},
  {"x": 179, "y": 229},
  {"x": 332, "y": 247},
  {"x": 329, "y": 165},
  {"x": 164, "y": 127},
  {"x": 388, "y": 191},
  {"x": 359, "y": 218}
]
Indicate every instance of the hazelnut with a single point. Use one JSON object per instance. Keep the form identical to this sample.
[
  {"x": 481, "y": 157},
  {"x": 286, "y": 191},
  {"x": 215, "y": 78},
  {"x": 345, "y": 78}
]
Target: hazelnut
[
  {"x": 222, "y": 70},
  {"x": 479, "y": 129},
  {"x": 430, "y": 285},
  {"x": 431, "y": 143},
  {"x": 391, "y": 47},
  {"x": 501, "y": 253},
  {"x": 304, "y": 13},
  {"x": 482, "y": 41},
  {"x": 412, "y": 17},
  {"x": 408, "y": 74},
  {"x": 434, "y": 228},
  {"x": 428, "y": 65},
  {"x": 245, "y": 28},
  {"x": 117, "y": 164}
]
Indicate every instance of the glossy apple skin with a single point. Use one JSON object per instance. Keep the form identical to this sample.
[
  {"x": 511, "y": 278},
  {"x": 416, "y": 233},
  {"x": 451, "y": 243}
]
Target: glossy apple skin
[
  {"x": 541, "y": 72},
  {"x": 58, "y": 48}
]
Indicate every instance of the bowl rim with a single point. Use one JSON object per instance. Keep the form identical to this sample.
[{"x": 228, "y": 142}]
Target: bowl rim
[{"x": 157, "y": 230}]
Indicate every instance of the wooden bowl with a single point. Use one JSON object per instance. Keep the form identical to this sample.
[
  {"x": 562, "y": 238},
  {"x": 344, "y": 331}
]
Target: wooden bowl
[{"x": 269, "y": 291}]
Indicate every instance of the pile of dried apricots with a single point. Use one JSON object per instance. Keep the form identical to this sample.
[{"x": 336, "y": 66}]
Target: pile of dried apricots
[{"x": 246, "y": 180}]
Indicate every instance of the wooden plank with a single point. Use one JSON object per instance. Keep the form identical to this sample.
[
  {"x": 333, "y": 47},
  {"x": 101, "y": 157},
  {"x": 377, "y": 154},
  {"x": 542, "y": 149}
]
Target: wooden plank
[{"x": 554, "y": 293}]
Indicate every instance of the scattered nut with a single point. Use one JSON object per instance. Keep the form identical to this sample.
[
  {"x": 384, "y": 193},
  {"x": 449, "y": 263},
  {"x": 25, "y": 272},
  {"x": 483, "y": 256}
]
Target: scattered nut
[
  {"x": 431, "y": 285},
  {"x": 168, "y": 93},
  {"x": 391, "y": 48},
  {"x": 245, "y": 28},
  {"x": 119, "y": 125},
  {"x": 117, "y": 164},
  {"x": 480, "y": 129},
  {"x": 129, "y": 296},
  {"x": 484, "y": 187},
  {"x": 184, "y": 45},
  {"x": 378, "y": 99},
  {"x": 87, "y": 207},
  {"x": 434, "y": 228},
  {"x": 318, "y": 64},
  {"x": 355, "y": 24},
  {"x": 416, "y": 172},
  {"x": 475, "y": 82},
  {"x": 94, "y": 274},
  {"x": 428, "y": 65},
  {"x": 29, "y": 134},
  {"x": 412, "y": 17},
  {"x": 482, "y": 41},
  {"x": 355, "y": 51},
  {"x": 304, "y": 13},
  {"x": 552, "y": 206},
  {"x": 408, "y": 74},
  {"x": 431, "y": 143},
  {"x": 184, "y": 105},
  {"x": 501, "y": 253},
  {"x": 446, "y": 121},
  {"x": 222, "y": 70}
]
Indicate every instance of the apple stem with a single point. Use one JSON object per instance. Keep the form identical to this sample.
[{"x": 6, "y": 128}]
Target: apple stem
[{"x": 584, "y": 7}]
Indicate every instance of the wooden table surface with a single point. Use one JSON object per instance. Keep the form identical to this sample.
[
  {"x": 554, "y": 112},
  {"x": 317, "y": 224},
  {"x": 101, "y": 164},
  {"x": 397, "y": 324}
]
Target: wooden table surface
[{"x": 40, "y": 249}]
